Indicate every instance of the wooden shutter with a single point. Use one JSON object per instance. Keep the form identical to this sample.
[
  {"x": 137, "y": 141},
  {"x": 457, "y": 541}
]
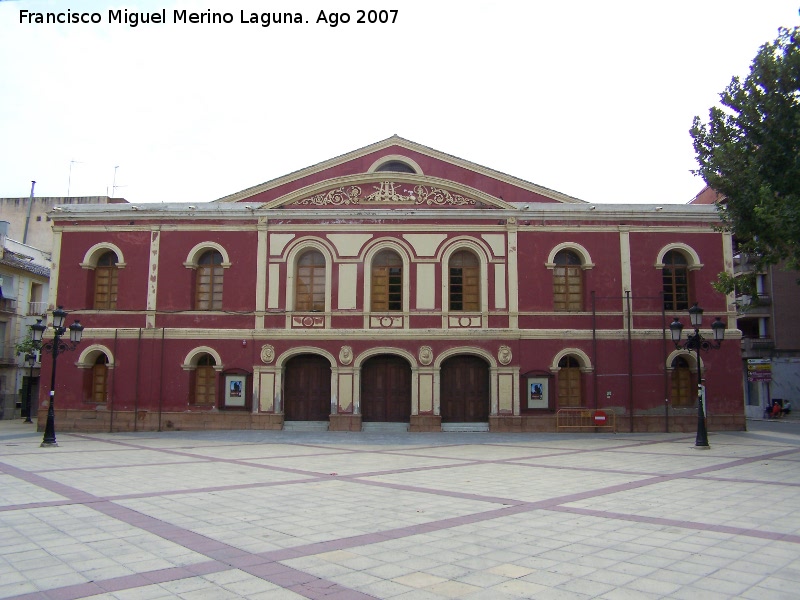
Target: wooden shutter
[
  {"x": 387, "y": 282},
  {"x": 310, "y": 282},
  {"x": 105, "y": 282},
  {"x": 208, "y": 295},
  {"x": 464, "y": 282},
  {"x": 567, "y": 282}
]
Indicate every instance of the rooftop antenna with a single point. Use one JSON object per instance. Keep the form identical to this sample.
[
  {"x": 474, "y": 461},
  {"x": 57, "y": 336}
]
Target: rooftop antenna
[{"x": 69, "y": 181}]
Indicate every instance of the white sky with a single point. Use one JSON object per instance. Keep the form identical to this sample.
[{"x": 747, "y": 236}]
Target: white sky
[{"x": 590, "y": 98}]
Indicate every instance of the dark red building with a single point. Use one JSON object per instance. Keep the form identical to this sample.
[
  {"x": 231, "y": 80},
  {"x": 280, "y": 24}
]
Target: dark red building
[{"x": 393, "y": 284}]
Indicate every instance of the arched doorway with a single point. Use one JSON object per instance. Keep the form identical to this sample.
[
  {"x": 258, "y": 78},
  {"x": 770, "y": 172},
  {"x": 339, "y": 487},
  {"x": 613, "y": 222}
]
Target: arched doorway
[
  {"x": 386, "y": 390},
  {"x": 307, "y": 388},
  {"x": 465, "y": 393}
]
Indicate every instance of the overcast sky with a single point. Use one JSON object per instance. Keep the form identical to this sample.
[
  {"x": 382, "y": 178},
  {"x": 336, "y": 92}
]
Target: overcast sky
[{"x": 590, "y": 98}]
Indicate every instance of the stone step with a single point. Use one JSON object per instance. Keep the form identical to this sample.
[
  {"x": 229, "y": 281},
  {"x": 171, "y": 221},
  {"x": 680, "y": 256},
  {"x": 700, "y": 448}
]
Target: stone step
[
  {"x": 305, "y": 426},
  {"x": 466, "y": 427},
  {"x": 384, "y": 427}
]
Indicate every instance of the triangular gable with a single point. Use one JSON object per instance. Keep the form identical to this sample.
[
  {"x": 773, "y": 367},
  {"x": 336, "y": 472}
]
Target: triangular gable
[{"x": 435, "y": 172}]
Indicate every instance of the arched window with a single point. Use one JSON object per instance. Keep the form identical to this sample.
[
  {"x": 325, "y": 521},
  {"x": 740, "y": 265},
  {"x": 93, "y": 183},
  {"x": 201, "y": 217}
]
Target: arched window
[
  {"x": 569, "y": 382},
  {"x": 676, "y": 281},
  {"x": 105, "y": 282},
  {"x": 396, "y": 166},
  {"x": 205, "y": 388},
  {"x": 310, "y": 282},
  {"x": 208, "y": 291},
  {"x": 464, "y": 282},
  {"x": 99, "y": 379},
  {"x": 387, "y": 281},
  {"x": 567, "y": 281},
  {"x": 682, "y": 395}
]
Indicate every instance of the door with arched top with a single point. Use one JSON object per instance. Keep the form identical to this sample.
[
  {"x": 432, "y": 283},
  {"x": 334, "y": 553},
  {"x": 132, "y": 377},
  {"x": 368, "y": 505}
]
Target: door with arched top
[
  {"x": 307, "y": 388},
  {"x": 465, "y": 393}
]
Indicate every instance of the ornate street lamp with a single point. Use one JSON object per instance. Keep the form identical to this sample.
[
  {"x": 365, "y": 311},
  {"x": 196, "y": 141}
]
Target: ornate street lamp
[
  {"x": 56, "y": 346},
  {"x": 695, "y": 341},
  {"x": 31, "y": 360}
]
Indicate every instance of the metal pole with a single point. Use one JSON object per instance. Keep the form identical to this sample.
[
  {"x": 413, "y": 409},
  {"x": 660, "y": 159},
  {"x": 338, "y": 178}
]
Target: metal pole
[
  {"x": 49, "y": 440},
  {"x": 701, "y": 441},
  {"x": 30, "y": 385}
]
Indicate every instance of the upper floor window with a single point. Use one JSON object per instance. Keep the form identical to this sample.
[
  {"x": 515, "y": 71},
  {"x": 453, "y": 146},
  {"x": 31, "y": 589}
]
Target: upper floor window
[
  {"x": 387, "y": 282},
  {"x": 105, "y": 282},
  {"x": 464, "y": 281},
  {"x": 675, "y": 276},
  {"x": 310, "y": 282},
  {"x": 567, "y": 281},
  {"x": 208, "y": 290}
]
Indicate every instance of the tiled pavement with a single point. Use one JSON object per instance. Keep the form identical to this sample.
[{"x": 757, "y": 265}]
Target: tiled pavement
[{"x": 292, "y": 515}]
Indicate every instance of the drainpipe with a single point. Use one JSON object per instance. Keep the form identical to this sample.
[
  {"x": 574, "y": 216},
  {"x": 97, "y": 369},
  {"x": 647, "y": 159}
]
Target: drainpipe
[
  {"x": 136, "y": 385},
  {"x": 113, "y": 385}
]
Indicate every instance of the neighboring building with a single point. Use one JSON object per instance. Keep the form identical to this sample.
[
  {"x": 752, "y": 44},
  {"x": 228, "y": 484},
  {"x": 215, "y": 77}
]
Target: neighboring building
[
  {"x": 770, "y": 338},
  {"x": 393, "y": 284},
  {"x": 29, "y": 222},
  {"x": 24, "y": 277},
  {"x": 770, "y": 331}
]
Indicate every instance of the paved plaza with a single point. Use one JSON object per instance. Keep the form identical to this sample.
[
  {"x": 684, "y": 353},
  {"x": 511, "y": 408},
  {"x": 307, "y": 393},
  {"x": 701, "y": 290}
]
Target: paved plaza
[{"x": 268, "y": 515}]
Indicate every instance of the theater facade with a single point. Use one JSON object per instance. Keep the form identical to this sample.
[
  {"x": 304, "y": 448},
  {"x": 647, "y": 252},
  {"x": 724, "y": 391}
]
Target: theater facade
[{"x": 395, "y": 284}]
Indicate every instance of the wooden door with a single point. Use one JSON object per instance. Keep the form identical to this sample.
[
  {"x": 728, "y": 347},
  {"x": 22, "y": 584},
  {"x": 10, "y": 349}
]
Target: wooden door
[
  {"x": 307, "y": 389},
  {"x": 386, "y": 390},
  {"x": 465, "y": 394}
]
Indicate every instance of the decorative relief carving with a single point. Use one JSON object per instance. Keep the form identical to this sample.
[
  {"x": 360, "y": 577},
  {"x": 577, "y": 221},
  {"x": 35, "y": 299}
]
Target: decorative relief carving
[
  {"x": 267, "y": 354},
  {"x": 466, "y": 321},
  {"x": 346, "y": 355},
  {"x": 308, "y": 321},
  {"x": 425, "y": 355},
  {"x": 385, "y": 322},
  {"x": 388, "y": 192},
  {"x": 504, "y": 355}
]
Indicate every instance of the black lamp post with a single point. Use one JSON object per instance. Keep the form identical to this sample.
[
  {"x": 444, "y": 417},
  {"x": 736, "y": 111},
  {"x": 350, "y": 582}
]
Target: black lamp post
[
  {"x": 695, "y": 341},
  {"x": 56, "y": 346},
  {"x": 31, "y": 360}
]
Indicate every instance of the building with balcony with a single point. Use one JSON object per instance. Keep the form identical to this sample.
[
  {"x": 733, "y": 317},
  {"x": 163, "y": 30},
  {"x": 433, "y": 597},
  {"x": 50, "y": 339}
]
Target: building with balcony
[
  {"x": 770, "y": 337},
  {"x": 24, "y": 281},
  {"x": 770, "y": 330},
  {"x": 393, "y": 286}
]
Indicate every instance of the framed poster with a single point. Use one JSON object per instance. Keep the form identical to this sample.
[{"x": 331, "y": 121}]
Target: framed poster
[
  {"x": 235, "y": 390},
  {"x": 537, "y": 393}
]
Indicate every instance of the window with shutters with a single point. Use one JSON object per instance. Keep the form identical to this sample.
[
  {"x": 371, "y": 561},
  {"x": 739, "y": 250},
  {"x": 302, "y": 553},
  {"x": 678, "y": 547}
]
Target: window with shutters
[
  {"x": 99, "y": 379},
  {"x": 567, "y": 282},
  {"x": 569, "y": 383},
  {"x": 205, "y": 382},
  {"x": 310, "y": 282},
  {"x": 464, "y": 281},
  {"x": 682, "y": 395},
  {"x": 208, "y": 291},
  {"x": 387, "y": 282},
  {"x": 676, "y": 281},
  {"x": 105, "y": 282}
]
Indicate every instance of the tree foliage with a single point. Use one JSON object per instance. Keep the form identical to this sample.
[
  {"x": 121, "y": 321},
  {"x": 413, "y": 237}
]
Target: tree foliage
[{"x": 749, "y": 152}]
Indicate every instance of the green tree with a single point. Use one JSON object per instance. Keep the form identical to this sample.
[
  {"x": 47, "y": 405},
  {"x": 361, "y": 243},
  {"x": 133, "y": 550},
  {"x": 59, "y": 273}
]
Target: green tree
[{"x": 749, "y": 152}]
